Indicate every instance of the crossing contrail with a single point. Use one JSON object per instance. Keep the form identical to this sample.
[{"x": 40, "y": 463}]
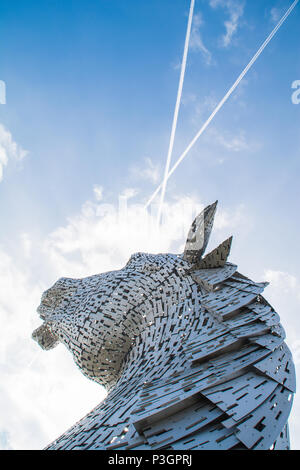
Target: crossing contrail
[
  {"x": 175, "y": 118},
  {"x": 223, "y": 101}
]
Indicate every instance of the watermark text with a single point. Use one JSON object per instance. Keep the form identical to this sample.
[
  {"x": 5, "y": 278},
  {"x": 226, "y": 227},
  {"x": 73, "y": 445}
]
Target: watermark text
[
  {"x": 2, "y": 92},
  {"x": 296, "y": 93}
]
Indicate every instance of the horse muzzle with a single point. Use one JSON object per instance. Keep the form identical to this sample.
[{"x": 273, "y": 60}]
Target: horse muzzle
[{"x": 45, "y": 338}]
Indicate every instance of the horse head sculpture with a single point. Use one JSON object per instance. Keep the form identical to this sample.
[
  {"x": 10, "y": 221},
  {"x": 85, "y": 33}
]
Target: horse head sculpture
[{"x": 192, "y": 355}]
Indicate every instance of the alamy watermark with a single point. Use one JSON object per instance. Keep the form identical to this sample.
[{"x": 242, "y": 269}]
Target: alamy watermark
[
  {"x": 175, "y": 217},
  {"x": 2, "y": 92},
  {"x": 296, "y": 93}
]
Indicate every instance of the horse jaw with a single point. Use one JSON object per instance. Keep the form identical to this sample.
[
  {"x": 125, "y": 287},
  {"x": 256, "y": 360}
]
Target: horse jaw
[{"x": 45, "y": 338}]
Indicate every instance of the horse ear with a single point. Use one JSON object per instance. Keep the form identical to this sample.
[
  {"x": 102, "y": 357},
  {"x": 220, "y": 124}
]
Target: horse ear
[
  {"x": 199, "y": 234},
  {"x": 216, "y": 258}
]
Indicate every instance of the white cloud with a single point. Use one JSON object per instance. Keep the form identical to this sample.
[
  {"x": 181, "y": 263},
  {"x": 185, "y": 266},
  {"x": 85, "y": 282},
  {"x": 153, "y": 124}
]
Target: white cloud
[
  {"x": 226, "y": 219},
  {"x": 235, "y": 10},
  {"x": 9, "y": 149},
  {"x": 40, "y": 394},
  {"x": 149, "y": 171},
  {"x": 98, "y": 192},
  {"x": 235, "y": 143},
  {"x": 26, "y": 244},
  {"x": 200, "y": 108},
  {"x": 129, "y": 193},
  {"x": 275, "y": 14},
  {"x": 282, "y": 280},
  {"x": 284, "y": 295},
  {"x": 196, "y": 41},
  {"x": 104, "y": 236}
]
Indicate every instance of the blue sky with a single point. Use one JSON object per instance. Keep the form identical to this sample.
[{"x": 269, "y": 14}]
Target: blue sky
[{"x": 90, "y": 94}]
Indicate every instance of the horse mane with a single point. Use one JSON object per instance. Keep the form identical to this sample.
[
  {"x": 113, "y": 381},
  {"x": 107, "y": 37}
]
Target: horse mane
[{"x": 241, "y": 377}]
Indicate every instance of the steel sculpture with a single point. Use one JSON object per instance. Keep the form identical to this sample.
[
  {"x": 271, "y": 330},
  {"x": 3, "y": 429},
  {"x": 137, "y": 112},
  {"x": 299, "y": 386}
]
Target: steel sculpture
[{"x": 192, "y": 355}]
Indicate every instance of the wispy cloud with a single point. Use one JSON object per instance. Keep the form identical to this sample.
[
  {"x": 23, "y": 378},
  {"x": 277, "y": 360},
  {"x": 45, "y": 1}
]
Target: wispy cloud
[
  {"x": 233, "y": 220},
  {"x": 275, "y": 14},
  {"x": 235, "y": 10},
  {"x": 37, "y": 392},
  {"x": 200, "y": 108},
  {"x": 26, "y": 244},
  {"x": 105, "y": 235},
  {"x": 196, "y": 41},
  {"x": 149, "y": 171},
  {"x": 98, "y": 192},
  {"x": 9, "y": 149},
  {"x": 284, "y": 281},
  {"x": 234, "y": 143},
  {"x": 284, "y": 295}
]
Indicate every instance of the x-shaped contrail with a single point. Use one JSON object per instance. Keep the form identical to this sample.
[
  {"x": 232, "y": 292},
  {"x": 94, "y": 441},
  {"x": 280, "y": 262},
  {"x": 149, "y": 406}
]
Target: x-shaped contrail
[{"x": 217, "y": 109}]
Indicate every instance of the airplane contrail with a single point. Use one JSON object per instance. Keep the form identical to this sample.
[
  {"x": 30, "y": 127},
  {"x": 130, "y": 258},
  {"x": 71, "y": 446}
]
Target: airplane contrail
[
  {"x": 223, "y": 101},
  {"x": 175, "y": 118}
]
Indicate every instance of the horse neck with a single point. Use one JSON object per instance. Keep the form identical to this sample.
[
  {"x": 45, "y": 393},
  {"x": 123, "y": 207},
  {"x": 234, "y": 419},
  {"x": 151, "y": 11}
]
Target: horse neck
[{"x": 169, "y": 322}]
